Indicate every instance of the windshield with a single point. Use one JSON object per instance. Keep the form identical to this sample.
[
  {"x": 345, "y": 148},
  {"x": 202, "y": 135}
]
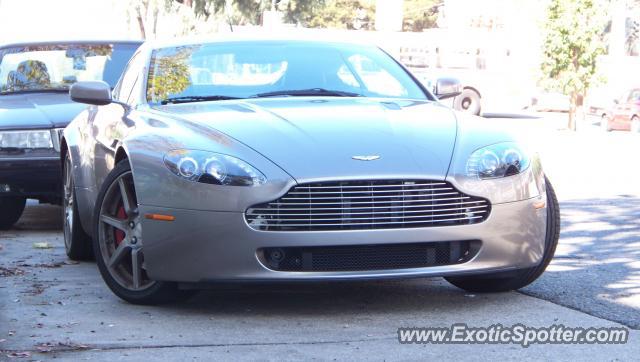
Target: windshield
[
  {"x": 56, "y": 67},
  {"x": 268, "y": 69}
]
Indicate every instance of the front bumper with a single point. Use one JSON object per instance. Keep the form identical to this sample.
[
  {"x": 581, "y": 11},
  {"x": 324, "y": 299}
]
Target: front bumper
[
  {"x": 206, "y": 246},
  {"x": 37, "y": 176}
]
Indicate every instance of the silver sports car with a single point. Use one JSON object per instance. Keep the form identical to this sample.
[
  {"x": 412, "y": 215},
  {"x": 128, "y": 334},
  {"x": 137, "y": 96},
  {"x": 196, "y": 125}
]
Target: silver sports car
[{"x": 294, "y": 160}]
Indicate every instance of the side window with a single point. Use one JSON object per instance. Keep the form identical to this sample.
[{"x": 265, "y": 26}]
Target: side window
[
  {"x": 128, "y": 79},
  {"x": 376, "y": 79}
]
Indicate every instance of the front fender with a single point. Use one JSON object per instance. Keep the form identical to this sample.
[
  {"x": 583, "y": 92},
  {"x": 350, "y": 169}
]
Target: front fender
[{"x": 156, "y": 185}]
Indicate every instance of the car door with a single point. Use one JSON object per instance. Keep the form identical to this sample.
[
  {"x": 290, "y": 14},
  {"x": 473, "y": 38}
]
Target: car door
[{"x": 111, "y": 125}]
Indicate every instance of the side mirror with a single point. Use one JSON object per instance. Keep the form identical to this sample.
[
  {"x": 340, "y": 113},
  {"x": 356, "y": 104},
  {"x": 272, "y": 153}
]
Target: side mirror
[
  {"x": 447, "y": 88},
  {"x": 616, "y": 101},
  {"x": 91, "y": 92}
]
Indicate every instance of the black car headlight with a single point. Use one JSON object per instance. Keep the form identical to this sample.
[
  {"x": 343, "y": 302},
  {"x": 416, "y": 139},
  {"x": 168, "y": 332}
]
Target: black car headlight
[
  {"x": 497, "y": 161},
  {"x": 212, "y": 168},
  {"x": 26, "y": 139}
]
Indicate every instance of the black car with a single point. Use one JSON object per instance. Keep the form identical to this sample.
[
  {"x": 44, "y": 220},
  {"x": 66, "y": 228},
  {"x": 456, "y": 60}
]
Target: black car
[{"x": 35, "y": 107}]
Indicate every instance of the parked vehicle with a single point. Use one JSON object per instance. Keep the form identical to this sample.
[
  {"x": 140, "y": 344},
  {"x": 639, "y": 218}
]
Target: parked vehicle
[
  {"x": 625, "y": 115},
  {"x": 469, "y": 100},
  {"x": 298, "y": 160},
  {"x": 35, "y": 107}
]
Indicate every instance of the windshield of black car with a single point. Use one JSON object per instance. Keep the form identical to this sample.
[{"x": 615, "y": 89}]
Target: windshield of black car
[
  {"x": 251, "y": 69},
  {"x": 51, "y": 67}
]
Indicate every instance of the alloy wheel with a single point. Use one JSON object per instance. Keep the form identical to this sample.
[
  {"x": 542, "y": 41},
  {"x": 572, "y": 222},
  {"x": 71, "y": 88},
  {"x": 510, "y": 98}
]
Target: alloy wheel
[
  {"x": 120, "y": 235},
  {"x": 68, "y": 204},
  {"x": 635, "y": 125}
]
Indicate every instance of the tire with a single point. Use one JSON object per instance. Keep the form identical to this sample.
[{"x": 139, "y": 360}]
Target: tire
[
  {"x": 506, "y": 281},
  {"x": 11, "y": 209},
  {"x": 468, "y": 101},
  {"x": 604, "y": 123},
  {"x": 635, "y": 124},
  {"x": 77, "y": 243},
  {"x": 119, "y": 249}
]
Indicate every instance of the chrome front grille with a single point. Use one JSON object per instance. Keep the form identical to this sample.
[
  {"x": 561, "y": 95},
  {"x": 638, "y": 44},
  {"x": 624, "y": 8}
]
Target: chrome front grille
[{"x": 376, "y": 204}]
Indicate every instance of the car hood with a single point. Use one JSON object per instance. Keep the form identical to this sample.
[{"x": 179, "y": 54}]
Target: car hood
[
  {"x": 316, "y": 139},
  {"x": 37, "y": 110}
]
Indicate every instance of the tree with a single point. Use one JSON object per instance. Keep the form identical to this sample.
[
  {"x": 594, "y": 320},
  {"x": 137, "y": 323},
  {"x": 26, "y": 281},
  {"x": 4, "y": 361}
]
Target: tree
[
  {"x": 420, "y": 14},
  {"x": 344, "y": 14},
  {"x": 249, "y": 12},
  {"x": 572, "y": 43}
]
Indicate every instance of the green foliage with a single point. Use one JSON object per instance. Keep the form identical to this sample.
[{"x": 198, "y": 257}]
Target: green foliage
[
  {"x": 244, "y": 12},
  {"x": 572, "y": 43},
  {"x": 344, "y": 14},
  {"x": 420, "y": 14},
  {"x": 169, "y": 73},
  {"x": 300, "y": 11}
]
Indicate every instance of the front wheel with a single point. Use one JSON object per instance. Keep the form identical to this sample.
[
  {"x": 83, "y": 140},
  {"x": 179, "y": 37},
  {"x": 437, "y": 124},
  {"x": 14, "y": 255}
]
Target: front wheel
[
  {"x": 468, "y": 101},
  {"x": 118, "y": 243},
  {"x": 635, "y": 124},
  {"x": 604, "y": 123},
  {"x": 77, "y": 243},
  {"x": 505, "y": 281},
  {"x": 11, "y": 209}
]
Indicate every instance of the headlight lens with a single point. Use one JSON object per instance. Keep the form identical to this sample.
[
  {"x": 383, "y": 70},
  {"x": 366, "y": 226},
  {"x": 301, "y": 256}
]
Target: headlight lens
[
  {"x": 212, "y": 168},
  {"x": 496, "y": 161},
  {"x": 26, "y": 139}
]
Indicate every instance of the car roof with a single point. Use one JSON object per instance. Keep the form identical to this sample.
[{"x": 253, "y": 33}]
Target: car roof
[
  {"x": 66, "y": 42},
  {"x": 252, "y": 38}
]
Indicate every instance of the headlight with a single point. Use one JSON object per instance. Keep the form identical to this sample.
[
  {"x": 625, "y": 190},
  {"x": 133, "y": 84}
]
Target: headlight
[
  {"x": 496, "y": 161},
  {"x": 26, "y": 139},
  {"x": 212, "y": 168}
]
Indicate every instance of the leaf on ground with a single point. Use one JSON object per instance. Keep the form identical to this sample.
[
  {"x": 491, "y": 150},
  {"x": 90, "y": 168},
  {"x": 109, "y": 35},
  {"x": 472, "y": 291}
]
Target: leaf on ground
[
  {"x": 19, "y": 355},
  {"x": 47, "y": 347},
  {"x": 44, "y": 245},
  {"x": 8, "y": 272}
]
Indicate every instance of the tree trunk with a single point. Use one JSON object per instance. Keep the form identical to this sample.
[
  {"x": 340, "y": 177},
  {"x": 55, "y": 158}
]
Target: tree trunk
[
  {"x": 140, "y": 23},
  {"x": 155, "y": 21},
  {"x": 573, "y": 108}
]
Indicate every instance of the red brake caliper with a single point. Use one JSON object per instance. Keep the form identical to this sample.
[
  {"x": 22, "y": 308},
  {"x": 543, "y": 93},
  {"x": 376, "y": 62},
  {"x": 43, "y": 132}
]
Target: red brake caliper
[{"x": 119, "y": 234}]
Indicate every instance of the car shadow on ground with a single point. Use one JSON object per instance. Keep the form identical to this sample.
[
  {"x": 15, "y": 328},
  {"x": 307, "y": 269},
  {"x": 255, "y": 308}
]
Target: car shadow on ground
[
  {"x": 335, "y": 298},
  {"x": 596, "y": 270},
  {"x": 40, "y": 217},
  {"x": 597, "y": 265}
]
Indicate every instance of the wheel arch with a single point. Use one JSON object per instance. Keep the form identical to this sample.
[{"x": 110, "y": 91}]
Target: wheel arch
[
  {"x": 121, "y": 154},
  {"x": 63, "y": 149},
  {"x": 471, "y": 88}
]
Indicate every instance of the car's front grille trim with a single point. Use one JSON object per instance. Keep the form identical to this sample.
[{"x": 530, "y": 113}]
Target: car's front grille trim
[
  {"x": 376, "y": 186},
  {"x": 349, "y": 205},
  {"x": 367, "y": 213},
  {"x": 374, "y": 207},
  {"x": 376, "y": 217},
  {"x": 373, "y": 191},
  {"x": 367, "y": 202}
]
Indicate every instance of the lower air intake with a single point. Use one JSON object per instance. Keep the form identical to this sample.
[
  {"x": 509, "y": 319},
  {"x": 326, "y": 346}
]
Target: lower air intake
[{"x": 369, "y": 257}]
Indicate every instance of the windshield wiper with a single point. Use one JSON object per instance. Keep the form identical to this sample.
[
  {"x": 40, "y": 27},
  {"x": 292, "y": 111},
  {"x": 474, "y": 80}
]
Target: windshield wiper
[
  {"x": 187, "y": 99},
  {"x": 312, "y": 92}
]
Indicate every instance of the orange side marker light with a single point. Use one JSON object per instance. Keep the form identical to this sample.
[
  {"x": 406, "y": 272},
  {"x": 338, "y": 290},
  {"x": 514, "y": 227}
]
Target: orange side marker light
[
  {"x": 539, "y": 205},
  {"x": 159, "y": 217}
]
